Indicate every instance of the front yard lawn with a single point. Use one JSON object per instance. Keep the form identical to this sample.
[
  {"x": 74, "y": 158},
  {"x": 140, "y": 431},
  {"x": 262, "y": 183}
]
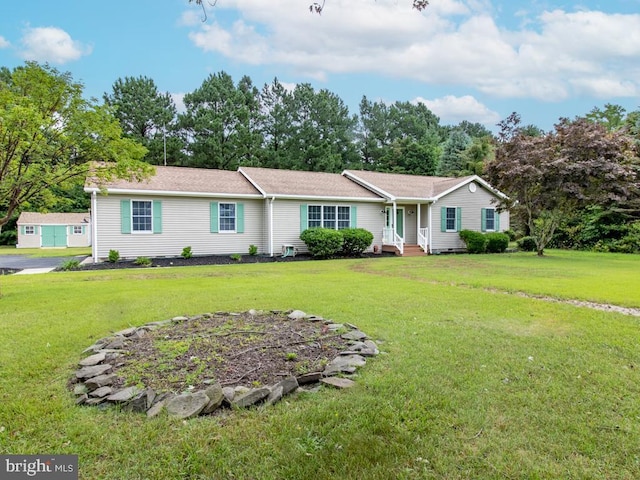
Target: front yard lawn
[{"x": 474, "y": 381}]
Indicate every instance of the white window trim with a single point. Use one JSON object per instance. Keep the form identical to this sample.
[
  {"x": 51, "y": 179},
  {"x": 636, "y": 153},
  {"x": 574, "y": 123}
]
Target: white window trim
[
  {"x": 142, "y": 232},
  {"x": 29, "y": 227},
  {"x": 336, "y": 219},
  {"x": 235, "y": 217},
  {"x": 77, "y": 227},
  {"x": 486, "y": 219},
  {"x": 455, "y": 220}
]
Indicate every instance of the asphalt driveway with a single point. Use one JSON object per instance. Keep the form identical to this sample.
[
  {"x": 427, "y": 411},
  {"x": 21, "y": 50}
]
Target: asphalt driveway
[{"x": 23, "y": 262}]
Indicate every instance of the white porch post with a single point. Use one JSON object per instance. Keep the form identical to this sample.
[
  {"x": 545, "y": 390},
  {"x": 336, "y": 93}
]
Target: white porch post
[
  {"x": 94, "y": 227},
  {"x": 418, "y": 222},
  {"x": 429, "y": 212}
]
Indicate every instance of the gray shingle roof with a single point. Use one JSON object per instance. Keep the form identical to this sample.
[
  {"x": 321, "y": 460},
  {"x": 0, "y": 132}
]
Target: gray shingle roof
[
  {"x": 295, "y": 183},
  {"x": 188, "y": 180},
  {"x": 33, "y": 218},
  {"x": 406, "y": 186}
]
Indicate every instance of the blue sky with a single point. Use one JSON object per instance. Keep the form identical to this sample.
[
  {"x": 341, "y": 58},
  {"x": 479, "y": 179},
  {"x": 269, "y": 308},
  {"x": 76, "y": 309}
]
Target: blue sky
[{"x": 476, "y": 60}]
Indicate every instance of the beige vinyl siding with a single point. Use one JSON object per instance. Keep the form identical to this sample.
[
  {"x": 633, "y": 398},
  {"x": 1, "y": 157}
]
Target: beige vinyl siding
[
  {"x": 185, "y": 222},
  {"x": 286, "y": 221},
  {"x": 28, "y": 241},
  {"x": 471, "y": 205},
  {"x": 79, "y": 240}
]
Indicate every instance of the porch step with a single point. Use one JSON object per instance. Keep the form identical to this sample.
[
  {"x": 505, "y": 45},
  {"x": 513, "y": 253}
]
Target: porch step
[
  {"x": 409, "y": 250},
  {"x": 412, "y": 251}
]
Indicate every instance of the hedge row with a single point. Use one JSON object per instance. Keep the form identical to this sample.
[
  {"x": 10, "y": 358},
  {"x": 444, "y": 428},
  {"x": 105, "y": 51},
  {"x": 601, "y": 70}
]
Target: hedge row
[
  {"x": 478, "y": 242},
  {"x": 327, "y": 242}
]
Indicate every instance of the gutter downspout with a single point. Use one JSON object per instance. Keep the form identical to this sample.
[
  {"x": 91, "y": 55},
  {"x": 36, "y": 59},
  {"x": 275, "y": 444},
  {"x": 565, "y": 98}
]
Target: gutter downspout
[
  {"x": 270, "y": 229},
  {"x": 94, "y": 227}
]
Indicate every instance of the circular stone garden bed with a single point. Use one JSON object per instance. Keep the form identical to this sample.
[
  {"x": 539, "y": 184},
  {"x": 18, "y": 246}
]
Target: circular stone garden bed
[{"x": 195, "y": 365}]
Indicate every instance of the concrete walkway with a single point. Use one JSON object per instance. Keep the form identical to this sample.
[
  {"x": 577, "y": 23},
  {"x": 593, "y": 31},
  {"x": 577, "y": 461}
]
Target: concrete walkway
[{"x": 30, "y": 265}]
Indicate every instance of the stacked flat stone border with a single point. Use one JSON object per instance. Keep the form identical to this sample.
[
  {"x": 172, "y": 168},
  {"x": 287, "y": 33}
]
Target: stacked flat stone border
[{"x": 92, "y": 383}]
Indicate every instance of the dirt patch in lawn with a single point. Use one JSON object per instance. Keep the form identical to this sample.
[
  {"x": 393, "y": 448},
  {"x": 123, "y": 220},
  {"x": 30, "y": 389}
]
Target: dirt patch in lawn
[{"x": 232, "y": 349}]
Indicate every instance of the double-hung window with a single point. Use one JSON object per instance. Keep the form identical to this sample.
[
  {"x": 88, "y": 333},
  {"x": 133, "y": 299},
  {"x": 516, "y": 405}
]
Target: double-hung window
[
  {"x": 335, "y": 217},
  {"x": 227, "y": 217},
  {"x": 29, "y": 230},
  {"x": 450, "y": 219},
  {"x": 77, "y": 229},
  {"x": 490, "y": 220},
  {"x": 141, "y": 216}
]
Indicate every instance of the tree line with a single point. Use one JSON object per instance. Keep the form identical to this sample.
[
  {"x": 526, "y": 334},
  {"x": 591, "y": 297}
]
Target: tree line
[{"x": 227, "y": 124}]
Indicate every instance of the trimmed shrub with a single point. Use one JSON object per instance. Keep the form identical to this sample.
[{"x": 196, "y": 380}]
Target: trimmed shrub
[
  {"x": 143, "y": 261},
  {"x": 236, "y": 257},
  {"x": 497, "y": 242},
  {"x": 322, "y": 242},
  {"x": 253, "y": 250},
  {"x": 114, "y": 256},
  {"x": 186, "y": 253},
  {"x": 527, "y": 244},
  {"x": 356, "y": 240},
  {"x": 70, "y": 265},
  {"x": 512, "y": 235},
  {"x": 476, "y": 242}
]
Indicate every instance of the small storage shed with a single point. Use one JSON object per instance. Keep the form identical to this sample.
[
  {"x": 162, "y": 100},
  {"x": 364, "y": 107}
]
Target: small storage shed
[{"x": 51, "y": 230}]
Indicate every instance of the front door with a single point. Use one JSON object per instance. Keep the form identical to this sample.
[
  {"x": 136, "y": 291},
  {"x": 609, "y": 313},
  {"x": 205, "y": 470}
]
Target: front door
[
  {"x": 54, "y": 236},
  {"x": 399, "y": 220}
]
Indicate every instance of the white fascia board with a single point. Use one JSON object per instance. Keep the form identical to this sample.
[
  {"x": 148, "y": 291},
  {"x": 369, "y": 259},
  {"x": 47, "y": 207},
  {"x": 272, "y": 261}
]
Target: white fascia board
[
  {"x": 368, "y": 186},
  {"x": 328, "y": 199},
  {"x": 250, "y": 180},
  {"x": 474, "y": 178},
  {"x": 165, "y": 193}
]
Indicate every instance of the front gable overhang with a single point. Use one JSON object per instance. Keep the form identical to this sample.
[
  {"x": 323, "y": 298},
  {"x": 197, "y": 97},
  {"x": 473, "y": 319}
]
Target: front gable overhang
[{"x": 467, "y": 181}]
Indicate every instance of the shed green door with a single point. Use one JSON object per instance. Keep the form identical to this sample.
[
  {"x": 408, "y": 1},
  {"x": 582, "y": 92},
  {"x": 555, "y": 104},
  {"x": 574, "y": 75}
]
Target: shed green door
[{"x": 54, "y": 236}]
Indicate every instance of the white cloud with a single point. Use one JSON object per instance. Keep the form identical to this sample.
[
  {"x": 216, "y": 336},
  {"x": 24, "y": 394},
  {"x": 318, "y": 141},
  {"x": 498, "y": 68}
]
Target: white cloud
[
  {"x": 4, "y": 43},
  {"x": 551, "y": 57},
  {"x": 453, "y": 110},
  {"x": 51, "y": 44},
  {"x": 178, "y": 101},
  {"x": 190, "y": 18}
]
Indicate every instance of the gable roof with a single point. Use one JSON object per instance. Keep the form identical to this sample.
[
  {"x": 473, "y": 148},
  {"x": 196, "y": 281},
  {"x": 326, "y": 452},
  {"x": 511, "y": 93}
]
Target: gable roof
[
  {"x": 301, "y": 184},
  {"x": 33, "y": 218},
  {"x": 181, "y": 181},
  {"x": 405, "y": 187}
]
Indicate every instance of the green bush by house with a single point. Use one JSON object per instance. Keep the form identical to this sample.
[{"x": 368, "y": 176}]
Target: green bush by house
[
  {"x": 356, "y": 240},
  {"x": 476, "y": 242},
  {"x": 322, "y": 242}
]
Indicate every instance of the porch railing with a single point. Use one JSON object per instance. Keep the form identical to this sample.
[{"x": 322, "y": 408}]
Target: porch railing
[
  {"x": 423, "y": 239},
  {"x": 390, "y": 237}
]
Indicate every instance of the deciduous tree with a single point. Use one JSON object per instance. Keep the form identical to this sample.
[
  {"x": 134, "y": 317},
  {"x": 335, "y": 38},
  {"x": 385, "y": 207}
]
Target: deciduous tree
[
  {"x": 49, "y": 134},
  {"x": 548, "y": 177}
]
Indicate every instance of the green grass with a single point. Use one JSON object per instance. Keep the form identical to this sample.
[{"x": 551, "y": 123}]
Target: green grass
[
  {"x": 45, "y": 252},
  {"x": 472, "y": 382}
]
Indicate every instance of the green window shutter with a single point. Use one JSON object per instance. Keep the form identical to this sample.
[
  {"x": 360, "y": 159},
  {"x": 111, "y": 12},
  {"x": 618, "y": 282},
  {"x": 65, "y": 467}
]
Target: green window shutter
[
  {"x": 354, "y": 217},
  {"x": 240, "y": 218},
  {"x": 214, "y": 217},
  {"x": 70, "y": 229},
  {"x": 35, "y": 230},
  {"x": 496, "y": 216},
  {"x": 125, "y": 216},
  {"x": 458, "y": 219},
  {"x": 443, "y": 219},
  {"x": 304, "y": 219},
  {"x": 84, "y": 229},
  {"x": 157, "y": 216},
  {"x": 483, "y": 217},
  {"x": 22, "y": 230}
]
